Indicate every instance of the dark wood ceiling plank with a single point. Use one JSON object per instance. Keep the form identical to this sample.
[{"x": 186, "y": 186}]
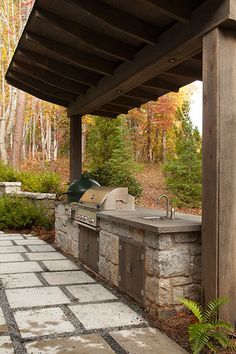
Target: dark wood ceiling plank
[
  {"x": 161, "y": 84},
  {"x": 146, "y": 94},
  {"x": 187, "y": 70},
  {"x": 104, "y": 114},
  {"x": 50, "y": 78},
  {"x": 126, "y": 101},
  {"x": 86, "y": 60},
  {"x": 120, "y": 20},
  {"x": 39, "y": 94},
  {"x": 180, "y": 10},
  {"x": 98, "y": 41},
  {"x": 41, "y": 86},
  {"x": 180, "y": 42},
  {"x": 65, "y": 70},
  {"x": 109, "y": 107}
]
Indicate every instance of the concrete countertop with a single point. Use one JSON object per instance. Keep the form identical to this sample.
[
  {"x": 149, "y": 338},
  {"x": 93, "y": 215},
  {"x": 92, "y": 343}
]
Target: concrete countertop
[{"x": 182, "y": 223}]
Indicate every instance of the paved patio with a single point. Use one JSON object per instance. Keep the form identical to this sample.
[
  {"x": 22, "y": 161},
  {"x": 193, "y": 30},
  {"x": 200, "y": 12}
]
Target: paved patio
[{"x": 48, "y": 304}]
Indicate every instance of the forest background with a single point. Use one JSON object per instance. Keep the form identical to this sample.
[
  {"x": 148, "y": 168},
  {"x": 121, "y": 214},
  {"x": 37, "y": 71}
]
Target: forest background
[{"x": 152, "y": 149}]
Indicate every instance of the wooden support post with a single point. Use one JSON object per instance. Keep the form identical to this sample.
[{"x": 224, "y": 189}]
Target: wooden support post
[
  {"x": 75, "y": 147},
  {"x": 219, "y": 170}
]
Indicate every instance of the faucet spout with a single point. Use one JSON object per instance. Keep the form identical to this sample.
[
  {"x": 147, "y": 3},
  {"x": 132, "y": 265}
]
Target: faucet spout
[{"x": 164, "y": 196}]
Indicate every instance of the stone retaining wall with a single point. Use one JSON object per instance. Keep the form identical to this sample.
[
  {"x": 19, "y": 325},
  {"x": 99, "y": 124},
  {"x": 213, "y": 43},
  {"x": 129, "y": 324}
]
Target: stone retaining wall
[{"x": 172, "y": 264}]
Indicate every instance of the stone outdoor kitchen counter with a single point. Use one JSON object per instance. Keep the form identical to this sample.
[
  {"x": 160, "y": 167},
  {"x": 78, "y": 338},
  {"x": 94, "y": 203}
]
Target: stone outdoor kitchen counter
[
  {"x": 155, "y": 262},
  {"x": 182, "y": 222}
]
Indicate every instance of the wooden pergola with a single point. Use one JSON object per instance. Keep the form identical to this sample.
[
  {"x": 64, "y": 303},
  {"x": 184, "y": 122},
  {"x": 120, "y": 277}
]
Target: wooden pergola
[{"x": 106, "y": 57}]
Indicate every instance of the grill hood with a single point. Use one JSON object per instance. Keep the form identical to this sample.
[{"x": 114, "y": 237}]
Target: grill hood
[{"x": 108, "y": 198}]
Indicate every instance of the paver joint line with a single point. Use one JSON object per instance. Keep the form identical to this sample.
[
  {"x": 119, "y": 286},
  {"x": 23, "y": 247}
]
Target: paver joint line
[{"x": 49, "y": 302}]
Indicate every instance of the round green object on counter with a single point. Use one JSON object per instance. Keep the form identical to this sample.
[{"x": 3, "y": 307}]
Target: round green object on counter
[{"x": 79, "y": 186}]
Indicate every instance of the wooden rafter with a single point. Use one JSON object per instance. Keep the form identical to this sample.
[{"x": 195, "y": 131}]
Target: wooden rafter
[
  {"x": 104, "y": 114},
  {"x": 154, "y": 60},
  {"x": 100, "y": 42},
  {"x": 76, "y": 56},
  {"x": 180, "y": 10},
  {"x": 161, "y": 84},
  {"x": 187, "y": 69},
  {"x": 120, "y": 20},
  {"x": 126, "y": 102},
  {"x": 37, "y": 93},
  {"x": 49, "y": 77},
  {"x": 109, "y": 107},
  {"x": 65, "y": 70},
  {"x": 41, "y": 86}
]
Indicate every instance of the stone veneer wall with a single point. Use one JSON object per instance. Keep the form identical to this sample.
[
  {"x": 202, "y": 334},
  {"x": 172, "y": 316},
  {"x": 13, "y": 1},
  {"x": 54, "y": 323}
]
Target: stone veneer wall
[
  {"x": 66, "y": 230},
  {"x": 172, "y": 264}
]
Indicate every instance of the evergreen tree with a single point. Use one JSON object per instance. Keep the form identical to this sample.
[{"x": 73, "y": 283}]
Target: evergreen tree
[
  {"x": 110, "y": 154},
  {"x": 183, "y": 171}
]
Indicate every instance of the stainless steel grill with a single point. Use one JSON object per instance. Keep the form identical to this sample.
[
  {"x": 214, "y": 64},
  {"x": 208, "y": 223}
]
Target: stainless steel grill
[{"x": 98, "y": 199}]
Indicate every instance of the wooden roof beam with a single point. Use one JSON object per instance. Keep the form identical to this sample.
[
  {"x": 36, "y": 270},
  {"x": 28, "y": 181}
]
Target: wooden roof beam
[
  {"x": 161, "y": 84},
  {"x": 146, "y": 94},
  {"x": 128, "y": 102},
  {"x": 109, "y": 107},
  {"x": 30, "y": 90},
  {"x": 41, "y": 86},
  {"x": 180, "y": 10},
  {"x": 64, "y": 70},
  {"x": 120, "y": 20},
  {"x": 179, "y": 42},
  {"x": 86, "y": 60},
  {"x": 188, "y": 70},
  {"x": 98, "y": 41},
  {"x": 49, "y": 77},
  {"x": 104, "y": 114}
]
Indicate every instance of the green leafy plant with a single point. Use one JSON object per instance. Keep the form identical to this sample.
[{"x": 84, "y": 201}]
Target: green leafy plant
[
  {"x": 43, "y": 182},
  {"x": 19, "y": 213},
  {"x": 209, "y": 332}
]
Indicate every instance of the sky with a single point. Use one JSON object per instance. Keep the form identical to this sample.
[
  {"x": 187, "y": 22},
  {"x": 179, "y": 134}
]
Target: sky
[{"x": 196, "y": 105}]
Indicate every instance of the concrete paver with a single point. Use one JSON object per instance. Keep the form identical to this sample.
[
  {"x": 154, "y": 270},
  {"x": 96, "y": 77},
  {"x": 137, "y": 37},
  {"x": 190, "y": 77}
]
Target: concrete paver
[
  {"x": 86, "y": 344},
  {"x": 44, "y": 256},
  {"x": 22, "y": 267},
  {"x": 64, "y": 309},
  {"x": 106, "y": 315},
  {"x": 6, "y": 346},
  {"x": 3, "y": 326},
  {"x": 31, "y": 297},
  {"x": 5, "y": 243},
  {"x": 60, "y": 278},
  {"x": 41, "y": 248},
  {"x": 30, "y": 242},
  {"x": 90, "y": 293},
  {"x": 146, "y": 341},
  {"x": 11, "y": 257},
  {"x": 60, "y": 265},
  {"x": 12, "y": 249},
  {"x": 22, "y": 280},
  {"x": 33, "y": 323}
]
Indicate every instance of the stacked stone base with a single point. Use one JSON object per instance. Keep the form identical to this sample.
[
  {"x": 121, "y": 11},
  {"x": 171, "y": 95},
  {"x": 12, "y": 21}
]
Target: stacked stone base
[{"x": 172, "y": 261}]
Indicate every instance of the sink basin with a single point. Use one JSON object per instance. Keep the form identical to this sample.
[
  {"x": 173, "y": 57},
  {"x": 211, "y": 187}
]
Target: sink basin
[{"x": 156, "y": 218}]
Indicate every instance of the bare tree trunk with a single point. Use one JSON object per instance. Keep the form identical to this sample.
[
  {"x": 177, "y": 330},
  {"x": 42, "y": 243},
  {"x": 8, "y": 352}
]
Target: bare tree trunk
[
  {"x": 149, "y": 148},
  {"x": 163, "y": 146},
  {"x": 18, "y": 130}
]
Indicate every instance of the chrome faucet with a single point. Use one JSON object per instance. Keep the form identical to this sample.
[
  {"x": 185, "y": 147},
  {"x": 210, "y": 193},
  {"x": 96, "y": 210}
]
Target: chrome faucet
[
  {"x": 167, "y": 203},
  {"x": 168, "y": 206}
]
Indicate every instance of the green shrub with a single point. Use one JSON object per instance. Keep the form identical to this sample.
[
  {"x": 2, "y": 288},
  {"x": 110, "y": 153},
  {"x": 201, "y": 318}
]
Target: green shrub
[
  {"x": 117, "y": 178},
  {"x": 43, "y": 182},
  {"x": 208, "y": 332},
  {"x": 19, "y": 213},
  {"x": 8, "y": 174}
]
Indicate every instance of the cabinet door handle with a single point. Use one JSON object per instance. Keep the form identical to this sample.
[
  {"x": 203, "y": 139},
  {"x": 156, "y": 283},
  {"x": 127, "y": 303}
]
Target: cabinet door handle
[{"x": 129, "y": 268}]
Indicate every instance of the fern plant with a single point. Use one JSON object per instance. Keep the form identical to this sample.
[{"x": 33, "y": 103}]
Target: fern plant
[{"x": 208, "y": 332}]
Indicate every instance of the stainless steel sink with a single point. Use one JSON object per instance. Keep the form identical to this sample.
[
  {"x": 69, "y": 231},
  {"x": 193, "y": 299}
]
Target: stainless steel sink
[{"x": 156, "y": 218}]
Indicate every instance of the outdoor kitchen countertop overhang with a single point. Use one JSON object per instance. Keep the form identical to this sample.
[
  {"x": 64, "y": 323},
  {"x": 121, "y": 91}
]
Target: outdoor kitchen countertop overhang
[{"x": 182, "y": 223}]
